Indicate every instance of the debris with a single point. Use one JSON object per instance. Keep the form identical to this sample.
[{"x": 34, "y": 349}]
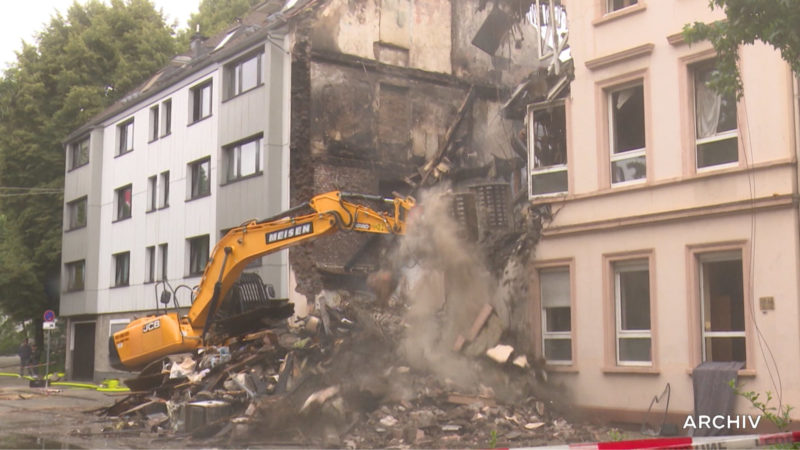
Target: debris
[
  {"x": 202, "y": 413},
  {"x": 480, "y": 320},
  {"x": 533, "y": 425},
  {"x": 521, "y": 361},
  {"x": 500, "y": 353},
  {"x": 388, "y": 421},
  {"x": 320, "y": 397}
]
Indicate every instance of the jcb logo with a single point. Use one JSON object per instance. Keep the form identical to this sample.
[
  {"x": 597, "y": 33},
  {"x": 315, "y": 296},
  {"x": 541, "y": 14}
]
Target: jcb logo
[{"x": 150, "y": 326}]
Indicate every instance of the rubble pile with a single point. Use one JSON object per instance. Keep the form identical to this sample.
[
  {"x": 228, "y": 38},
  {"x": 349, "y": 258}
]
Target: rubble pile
[{"x": 432, "y": 356}]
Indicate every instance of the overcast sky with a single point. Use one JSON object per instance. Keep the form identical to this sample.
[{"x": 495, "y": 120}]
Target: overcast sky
[{"x": 21, "y": 20}]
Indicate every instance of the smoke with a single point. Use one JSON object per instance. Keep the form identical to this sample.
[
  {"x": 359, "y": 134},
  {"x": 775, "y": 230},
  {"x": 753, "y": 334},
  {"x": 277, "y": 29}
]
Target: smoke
[{"x": 445, "y": 284}]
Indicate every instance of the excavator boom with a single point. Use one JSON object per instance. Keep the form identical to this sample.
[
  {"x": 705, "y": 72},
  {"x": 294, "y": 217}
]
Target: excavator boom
[{"x": 146, "y": 339}]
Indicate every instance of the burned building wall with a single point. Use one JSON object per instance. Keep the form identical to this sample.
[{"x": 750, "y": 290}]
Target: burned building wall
[
  {"x": 403, "y": 33},
  {"x": 501, "y": 27}
]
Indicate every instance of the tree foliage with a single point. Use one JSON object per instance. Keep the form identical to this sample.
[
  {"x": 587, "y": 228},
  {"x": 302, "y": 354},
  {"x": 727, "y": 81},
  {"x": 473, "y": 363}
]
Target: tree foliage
[
  {"x": 774, "y": 22},
  {"x": 81, "y": 63},
  {"x": 214, "y": 16}
]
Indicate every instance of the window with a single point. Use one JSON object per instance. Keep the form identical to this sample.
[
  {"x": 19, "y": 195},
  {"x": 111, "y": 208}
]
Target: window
[
  {"x": 243, "y": 159},
  {"x": 79, "y": 154},
  {"x": 547, "y": 137},
  {"x": 149, "y": 264},
  {"x": 715, "y": 121},
  {"x": 122, "y": 197},
  {"x": 163, "y": 200},
  {"x": 116, "y": 325},
  {"x": 198, "y": 254},
  {"x": 125, "y": 137},
  {"x": 162, "y": 262},
  {"x": 75, "y": 275},
  {"x": 76, "y": 212},
  {"x": 199, "y": 178},
  {"x": 632, "y": 311},
  {"x": 556, "y": 315},
  {"x": 722, "y": 306},
  {"x": 628, "y": 161},
  {"x": 614, "y": 5},
  {"x": 152, "y": 193},
  {"x": 154, "y": 123},
  {"x": 243, "y": 75},
  {"x": 200, "y": 103},
  {"x": 166, "y": 117},
  {"x": 121, "y": 268},
  {"x": 550, "y": 20}
]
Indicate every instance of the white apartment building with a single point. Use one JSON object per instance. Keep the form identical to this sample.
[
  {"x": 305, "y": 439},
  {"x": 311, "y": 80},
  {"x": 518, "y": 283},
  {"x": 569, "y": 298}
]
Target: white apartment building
[{"x": 154, "y": 181}]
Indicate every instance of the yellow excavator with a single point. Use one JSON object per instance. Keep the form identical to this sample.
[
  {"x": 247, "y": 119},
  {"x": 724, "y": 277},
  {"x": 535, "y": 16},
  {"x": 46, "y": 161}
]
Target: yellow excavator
[{"x": 150, "y": 338}]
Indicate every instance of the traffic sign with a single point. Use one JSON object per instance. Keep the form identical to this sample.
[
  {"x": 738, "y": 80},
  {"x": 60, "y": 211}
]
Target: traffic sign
[
  {"x": 49, "y": 326},
  {"x": 49, "y": 315}
]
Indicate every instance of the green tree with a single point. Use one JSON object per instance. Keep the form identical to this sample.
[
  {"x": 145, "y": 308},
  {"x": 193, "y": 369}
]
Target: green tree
[
  {"x": 80, "y": 64},
  {"x": 771, "y": 21},
  {"x": 214, "y": 16}
]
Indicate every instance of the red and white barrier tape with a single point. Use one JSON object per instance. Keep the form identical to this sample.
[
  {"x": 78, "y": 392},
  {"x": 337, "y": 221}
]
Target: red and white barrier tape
[{"x": 714, "y": 442}]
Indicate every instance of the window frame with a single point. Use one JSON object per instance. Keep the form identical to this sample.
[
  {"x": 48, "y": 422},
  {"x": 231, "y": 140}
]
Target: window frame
[
  {"x": 71, "y": 213},
  {"x": 163, "y": 191},
  {"x": 555, "y": 168},
  {"x": 162, "y": 271},
  {"x": 117, "y": 203},
  {"x": 125, "y": 135},
  {"x": 193, "y": 166},
  {"x": 166, "y": 118},
  {"x": 155, "y": 123},
  {"x": 232, "y": 154},
  {"x": 234, "y": 71},
  {"x": 116, "y": 257},
  {"x": 618, "y": 268},
  {"x": 152, "y": 193},
  {"x": 609, "y": 8},
  {"x": 694, "y": 67},
  {"x": 544, "y": 334},
  {"x": 197, "y": 97},
  {"x": 75, "y": 150},
  {"x": 192, "y": 269},
  {"x": 616, "y": 157},
  {"x": 150, "y": 264},
  {"x": 69, "y": 268}
]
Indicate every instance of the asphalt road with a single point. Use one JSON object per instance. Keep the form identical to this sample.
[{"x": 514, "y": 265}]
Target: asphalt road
[{"x": 52, "y": 418}]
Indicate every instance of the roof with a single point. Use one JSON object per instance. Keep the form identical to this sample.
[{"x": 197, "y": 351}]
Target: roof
[{"x": 266, "y": 18}]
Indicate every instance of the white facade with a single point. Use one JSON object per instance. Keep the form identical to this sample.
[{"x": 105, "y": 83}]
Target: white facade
[{"x": 106, "y": 302}]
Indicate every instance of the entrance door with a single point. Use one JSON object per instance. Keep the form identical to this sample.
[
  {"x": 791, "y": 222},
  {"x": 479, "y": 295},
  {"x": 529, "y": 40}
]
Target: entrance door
[{"x": 83, "y": 351}]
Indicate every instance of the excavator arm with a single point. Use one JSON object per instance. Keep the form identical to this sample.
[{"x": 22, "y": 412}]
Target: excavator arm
[{"x": 146, "y": 339}]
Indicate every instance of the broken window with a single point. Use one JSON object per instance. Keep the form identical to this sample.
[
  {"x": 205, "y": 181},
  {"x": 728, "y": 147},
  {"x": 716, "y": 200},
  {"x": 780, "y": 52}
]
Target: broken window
[
  {"x": 715, "y": 121},
  {"x": 547, "y": 137},
  {"x": 722, "y": 306},
  {"x": 121, "y": 268},
  {"x": 628, "y": 160},
  {"x": 198, "y": 254},
  {"x": 632, "y": 310},
  {"x": 550, "y": 20},
  {"x": 615, "y": 5},
  {"x": 75, "y": 275},
  {"x": 556, "y": 315}
]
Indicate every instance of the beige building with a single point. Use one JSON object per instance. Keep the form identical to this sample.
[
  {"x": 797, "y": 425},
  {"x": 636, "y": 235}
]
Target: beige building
[{"x": 674, "y": 238}]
